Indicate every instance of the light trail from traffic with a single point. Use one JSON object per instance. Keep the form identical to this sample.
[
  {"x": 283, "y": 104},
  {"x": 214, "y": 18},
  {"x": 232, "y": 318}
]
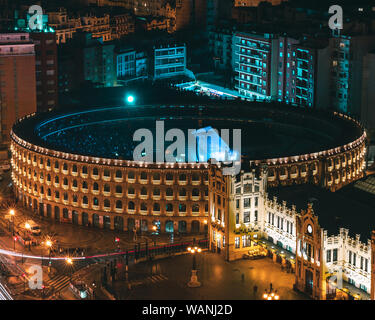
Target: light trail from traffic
[{"x": 4, "y": 294}]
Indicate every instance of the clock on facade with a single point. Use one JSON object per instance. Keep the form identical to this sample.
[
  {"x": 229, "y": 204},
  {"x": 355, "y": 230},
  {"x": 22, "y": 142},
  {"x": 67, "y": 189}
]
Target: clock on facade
[{"x": 309, "y": 228}]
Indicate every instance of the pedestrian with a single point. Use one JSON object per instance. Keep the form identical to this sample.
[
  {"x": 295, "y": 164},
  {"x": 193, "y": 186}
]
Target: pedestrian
[
  {"x": 255, "y": 289},
  {"x": 242, "y": 277}
]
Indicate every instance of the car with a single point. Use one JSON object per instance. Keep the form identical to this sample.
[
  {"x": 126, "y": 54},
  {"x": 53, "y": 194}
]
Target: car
[{"x": 33, "y": 227}]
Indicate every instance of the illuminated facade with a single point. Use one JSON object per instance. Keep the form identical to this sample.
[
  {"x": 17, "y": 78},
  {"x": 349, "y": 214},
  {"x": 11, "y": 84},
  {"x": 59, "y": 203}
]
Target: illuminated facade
[
  {"x": 243, "y": 213},
  {"x": 248, "y": 216},
  {"x": 112, "y": 194},
  {"x": 66, "y": 26},
  {"x": 254, "y": 57}
]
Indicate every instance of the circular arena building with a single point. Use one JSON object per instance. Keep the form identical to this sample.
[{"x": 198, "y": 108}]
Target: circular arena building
[{"x": 77, "y": 166}]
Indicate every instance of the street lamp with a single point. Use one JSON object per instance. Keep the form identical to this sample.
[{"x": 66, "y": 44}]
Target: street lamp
[
  {"x": 69, "y": 262},
  {"x": 15, "y": 238},
  {"x": 205, "y": 228},
  {"x": 193, "y": 283},
  {"x": 49, "y": 244},
  {"x": 12, "y": 214},
  {"x": 271, "y": 294},
  {"x": 130, "y": 99}
]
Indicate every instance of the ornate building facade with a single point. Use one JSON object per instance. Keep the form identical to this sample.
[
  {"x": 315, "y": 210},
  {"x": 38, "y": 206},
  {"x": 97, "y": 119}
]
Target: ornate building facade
[{"x": 322, "y": 262}]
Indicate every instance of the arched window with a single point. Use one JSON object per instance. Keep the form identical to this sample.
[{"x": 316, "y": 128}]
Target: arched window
[
  {"x": 195, "y": 208},
  {"x": 156, "y": 192},
  {"x": 96, "y": 202},
  {"x": 65, "y": 196},
  {"x": 49, "y": 192},
  {"x": 182, "y": 177},
  {"x": 85, "y": 200},
  {"x": 131, "y": 190},
  {"x": 56, "y": 179},
  {"x": 118, "y": 174},
  {"x": 156, "y": 176},
  {"x": 65, "y": 166},
  {"x": 144, "y": 191},
  {"x": 95, "y": 171},
  {"x": 182, "y": 207},
  {"x": 169, "y": 176},
  {"x": 75, "y": 198},
  {"x": 131, "y": 175},
  {"x": 182, "y": 192},
  {"x": 107, "y": 203},
  {"x": 48, "y": 163},
  {"x": 195, "y": 192},
  {"x": 169, "y": 207},
  {"x": 95, "y": 186},
  {"x": 169, "y": 192},
  {"x": 48, "y": 177},
  {"x": 75, "y": 184},
  {"x": 118, "y": 204},
  {"x": 106, "y": 173},
  {"x": 118, "y": 189},
  {"x": 143, "y": 206},
  {"x": 107, "y": 188},
  {"x": 84, "y": 170},
  {"x": 131, "y": 205},
  {"x": 156, "y": 206},
  {"x": 74, "y": 169},
  {"x": 195, "y": 177},
  {"x": 65, "y": 181},
  {"x": 56, "y": 164},
  {"x": 57, "y": 195},
  {"x": 84, "y": 185},
  {"x": 144, "y": 175}
]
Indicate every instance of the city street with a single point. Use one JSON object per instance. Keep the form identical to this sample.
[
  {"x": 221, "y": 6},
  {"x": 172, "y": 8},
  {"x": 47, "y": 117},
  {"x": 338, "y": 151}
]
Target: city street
[{"x": 167, "y": 279}]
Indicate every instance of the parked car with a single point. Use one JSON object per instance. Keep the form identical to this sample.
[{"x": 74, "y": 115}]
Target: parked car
[{"x": 33, "y": 227}]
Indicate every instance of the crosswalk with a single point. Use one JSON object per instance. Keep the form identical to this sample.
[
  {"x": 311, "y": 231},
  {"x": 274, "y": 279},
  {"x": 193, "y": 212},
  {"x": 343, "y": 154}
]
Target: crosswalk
[
  {"x": 59, "y": 282},
  {"x": 156, "y": 278},
  {"x": 151, "y": 280}
]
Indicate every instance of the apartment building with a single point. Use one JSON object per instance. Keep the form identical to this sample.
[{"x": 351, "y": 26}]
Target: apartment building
[
  {"x": 168, "y": 61},
  {"x": 17, "y": 80},
  {"x": 254, "y": 63}
]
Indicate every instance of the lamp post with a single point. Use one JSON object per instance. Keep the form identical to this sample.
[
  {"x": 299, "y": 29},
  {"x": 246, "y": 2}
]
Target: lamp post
[
  {"x": 49, "y": 246},
  {"x": 205, "y": 228},
  {"x": 14, "y": 242},
  {"x": 271, "y": 294},
  {"x": 69, "y": 262},
  {"x": 194, "y": 283},
  {"x": 12, "y": 214}
]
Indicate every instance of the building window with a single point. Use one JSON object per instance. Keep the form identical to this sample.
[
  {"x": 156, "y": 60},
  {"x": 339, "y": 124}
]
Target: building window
[
  {"x": 246, "y": 217},
  {"x": 334, "y": 258},
  {"x": 237, "y": 242},
  {"x": 328, "y": 256},
  {"x": 246, "y": 203}
]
